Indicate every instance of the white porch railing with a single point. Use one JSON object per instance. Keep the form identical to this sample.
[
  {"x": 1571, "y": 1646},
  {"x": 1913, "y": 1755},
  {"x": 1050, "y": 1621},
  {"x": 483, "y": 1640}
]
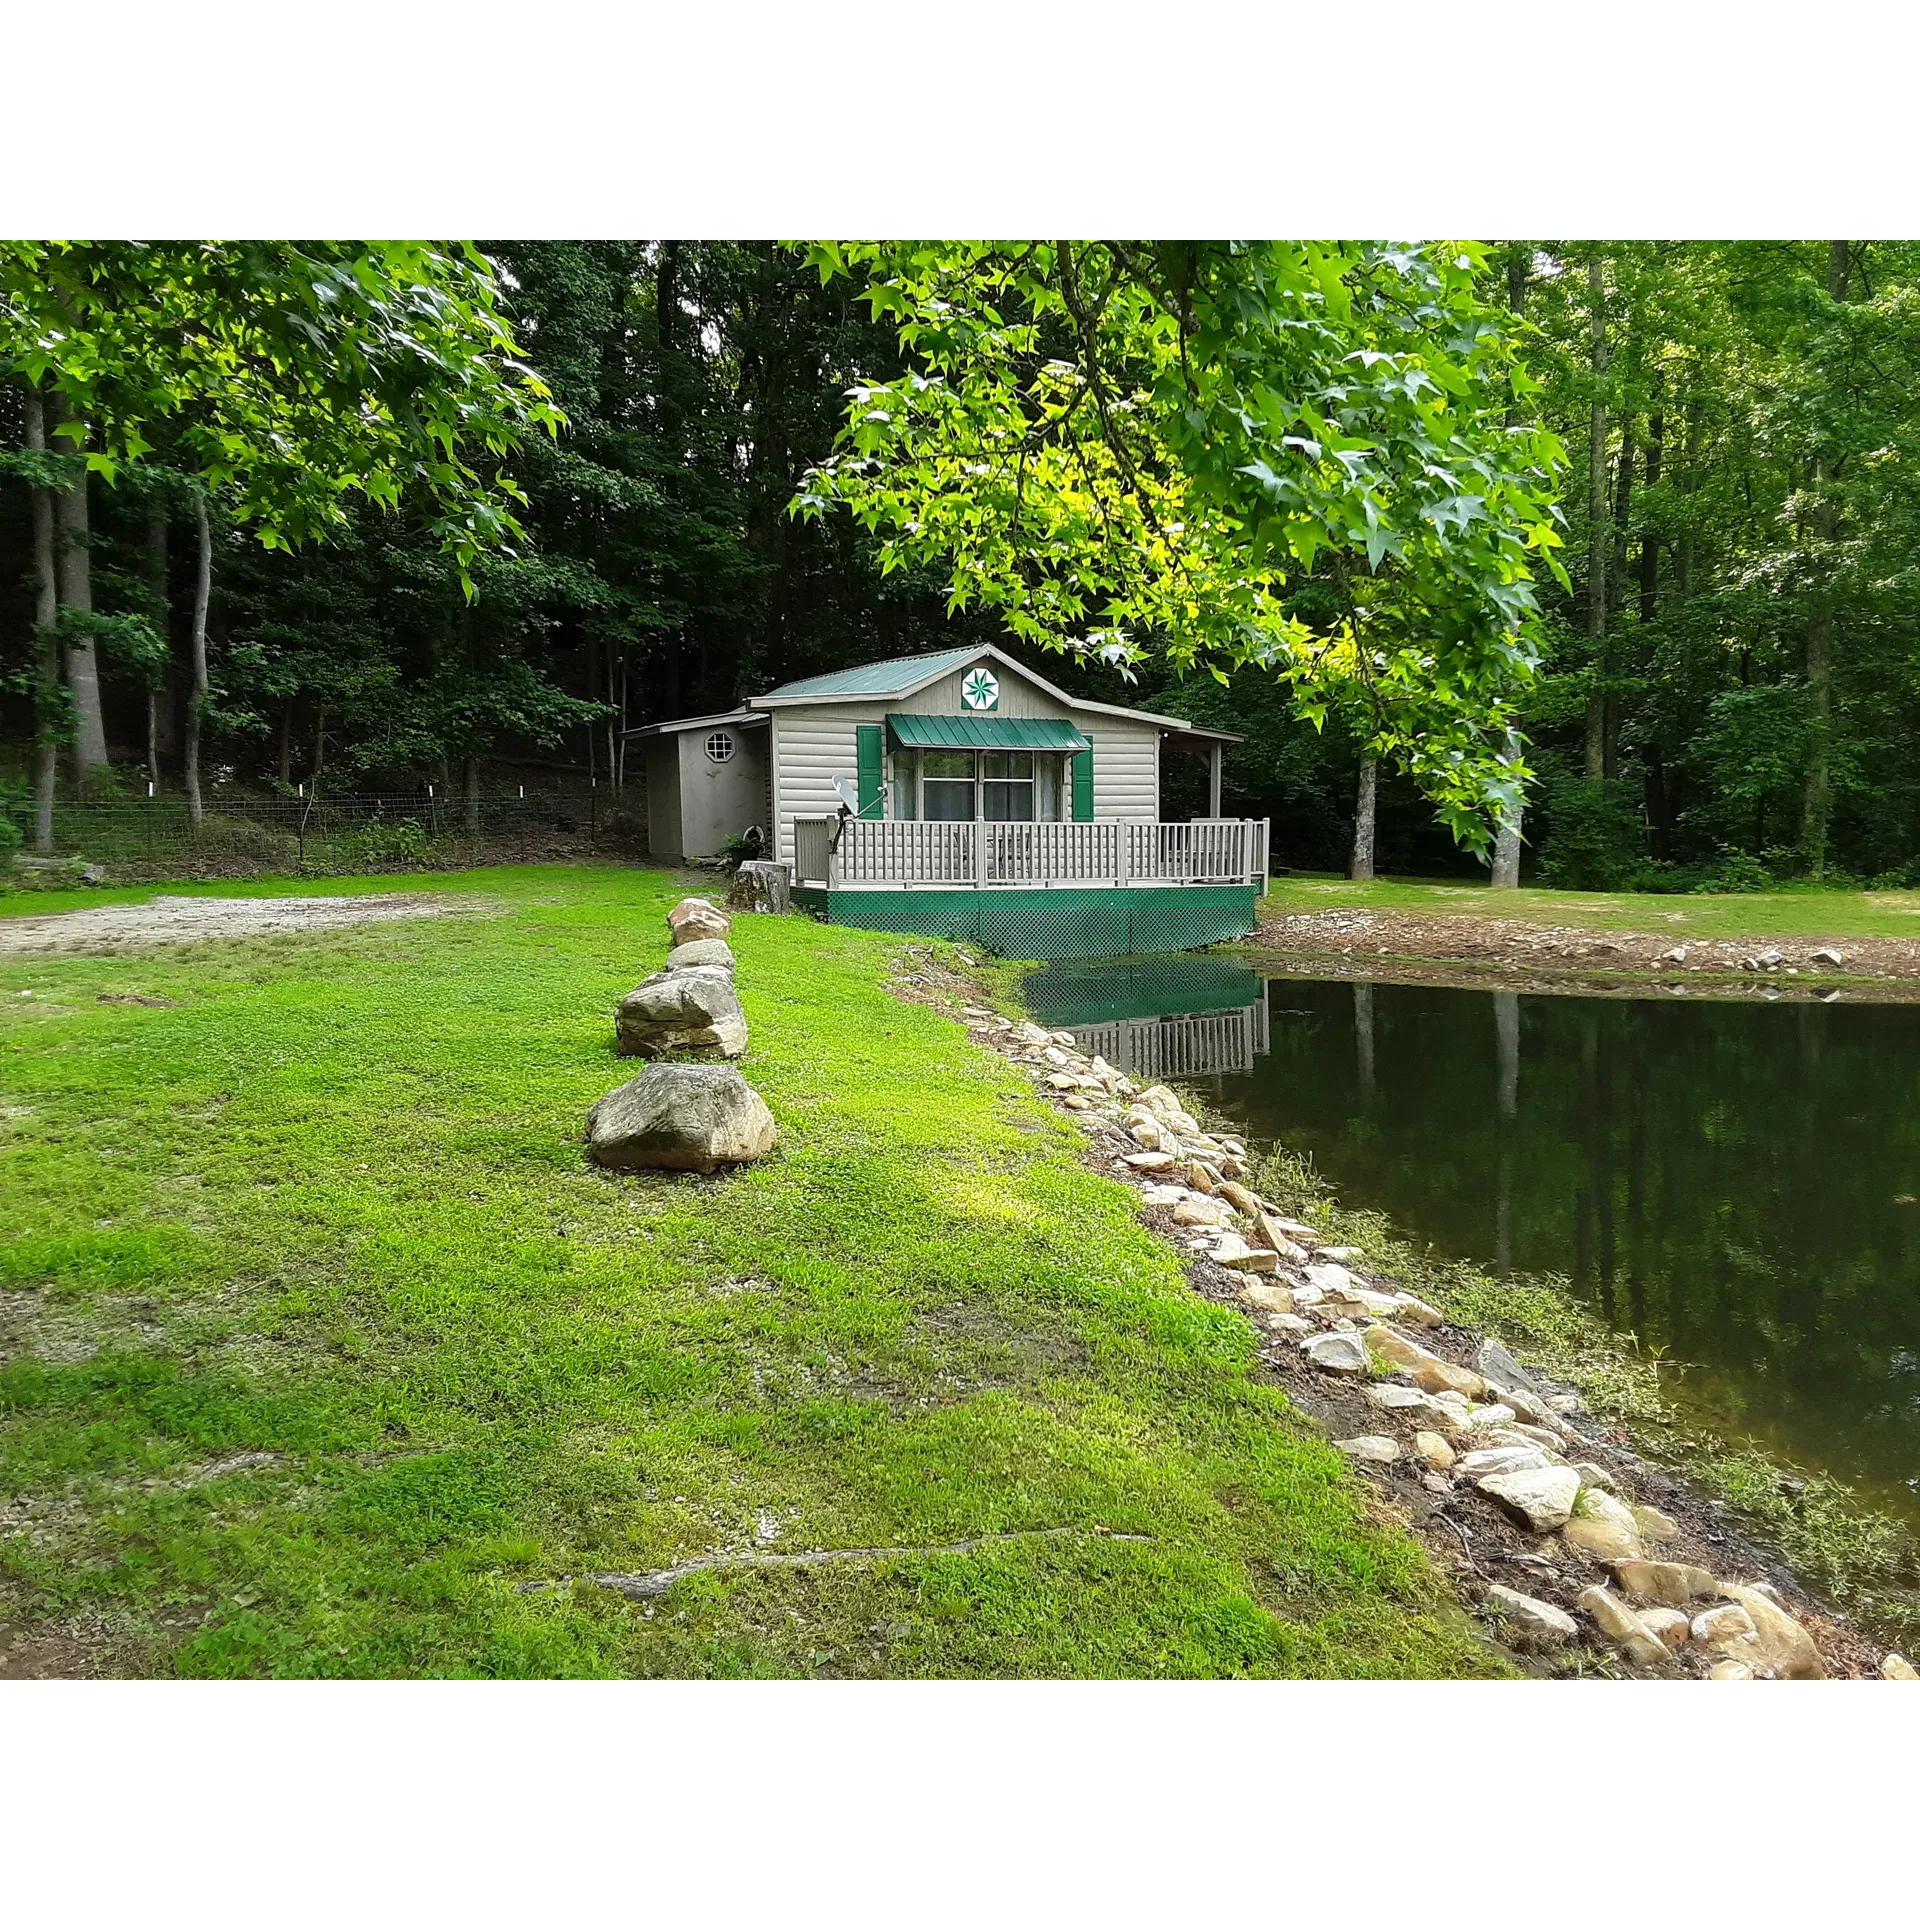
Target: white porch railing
[{"x": 1034, "y": 854}]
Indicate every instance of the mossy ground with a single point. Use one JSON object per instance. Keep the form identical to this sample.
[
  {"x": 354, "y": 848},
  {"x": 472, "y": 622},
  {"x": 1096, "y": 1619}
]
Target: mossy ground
[{"x": 331, "y": 1208}]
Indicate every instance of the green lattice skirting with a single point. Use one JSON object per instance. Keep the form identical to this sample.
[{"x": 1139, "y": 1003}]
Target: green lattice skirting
[{"x": 1062, "y": 925}]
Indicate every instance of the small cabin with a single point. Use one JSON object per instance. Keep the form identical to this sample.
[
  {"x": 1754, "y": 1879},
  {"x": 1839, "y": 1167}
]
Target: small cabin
[{"x": 962, "y": 794}]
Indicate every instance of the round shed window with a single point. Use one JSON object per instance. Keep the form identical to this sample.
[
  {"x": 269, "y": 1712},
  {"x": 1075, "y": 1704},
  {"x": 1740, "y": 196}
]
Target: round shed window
[{"x": 719, "y": 748}]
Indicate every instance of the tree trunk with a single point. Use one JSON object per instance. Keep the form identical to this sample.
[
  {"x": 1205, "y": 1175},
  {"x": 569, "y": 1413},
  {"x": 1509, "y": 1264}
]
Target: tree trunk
[
  {"x": 46, "y": 616},
  {"x": 76, "y": 592},
  {"x": 1505, "y": 868},
  {"x": 613, "y": 708},
  {"x": 471, "y": 775},
  {"x": 1617, "y": 589},
  {"x": 1649, "y": 545},
  {"x": 1689, "y": 479},
  {"x": 1519, "y": 260},
  {"x": 1506, "y": 839},
  {"x": 622, "y": 778},
  {"x": 1597, "y": 525},
  {"x": 1621, "y": 514},
  {"x": 196, "y": 707},
  {"x": 1816, "y": 804},
  {"x": 1816, "y": 801},
  {"x": 286, "y": 741},
  {"x": 759, "y": 886},
  {"x": 319, "y": 741},
  {"x": 156, "y": 681},
  {"x": 1363, "y": 817}
]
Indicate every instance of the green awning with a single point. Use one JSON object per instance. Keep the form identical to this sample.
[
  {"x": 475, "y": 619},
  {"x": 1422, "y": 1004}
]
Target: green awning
[{"x": 985, "y": 730}]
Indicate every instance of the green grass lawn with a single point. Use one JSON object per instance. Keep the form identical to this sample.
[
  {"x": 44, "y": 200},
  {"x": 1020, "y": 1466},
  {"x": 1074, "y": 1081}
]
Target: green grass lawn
[
  {"x": 332, "y": 1208},
  {"x": 1812, "y": 911}
]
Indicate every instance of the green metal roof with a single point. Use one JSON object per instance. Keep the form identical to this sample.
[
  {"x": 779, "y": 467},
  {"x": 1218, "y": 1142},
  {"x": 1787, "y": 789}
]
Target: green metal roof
[
  {"x": 985, "y": 730},
  {"x": 879, "y": 677}
]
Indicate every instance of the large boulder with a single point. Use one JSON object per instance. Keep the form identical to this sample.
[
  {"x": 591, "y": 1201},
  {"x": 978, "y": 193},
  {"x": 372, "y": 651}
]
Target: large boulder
[
  {"x": 1336, "y": 1352},
  {"x": 1482, "y": 1462},
  {"x": 1604, "y": 1528},
  {"x": 698, "y": 919},
  {"x": 1788, "y": 1647},
  {"x": 1392, "y": 1349},
  {"x": 1624, "y": 1628},
  {"x": 1442, "y": 1376},
  {"x": 1501, "y": 1369},
  {"x": 701, "y": 953},
  {"x": 1538, "y": 1497},
  {"x": 1666, "y": 1583},
  {"x": 1531, "y": 1622},
  {"x": 693, "y": 1119},
  {"x": 692, "y": 1011}
]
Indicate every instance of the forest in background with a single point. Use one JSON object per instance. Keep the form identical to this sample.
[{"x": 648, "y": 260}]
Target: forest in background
[{"x": 1731, "y": 687}]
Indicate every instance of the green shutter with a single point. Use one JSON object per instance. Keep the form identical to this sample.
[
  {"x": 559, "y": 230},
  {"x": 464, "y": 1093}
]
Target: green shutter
[
  {"x": 871, "y": 746},
  {"x": 1083, "y": 785}
]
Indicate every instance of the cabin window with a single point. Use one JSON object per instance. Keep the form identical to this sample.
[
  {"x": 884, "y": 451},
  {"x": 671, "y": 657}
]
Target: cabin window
[
  {"x": 719, "y": 748},
  {"x": 947, "y": 784},
  {"x": 905, "y": 786},
  {"x": 1006, "y": 783},
  {"x": 1048, "y": 769}
]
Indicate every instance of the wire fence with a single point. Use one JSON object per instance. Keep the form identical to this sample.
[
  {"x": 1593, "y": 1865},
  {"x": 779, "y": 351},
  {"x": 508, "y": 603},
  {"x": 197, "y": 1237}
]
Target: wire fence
[{"x": 349, "y": 829}]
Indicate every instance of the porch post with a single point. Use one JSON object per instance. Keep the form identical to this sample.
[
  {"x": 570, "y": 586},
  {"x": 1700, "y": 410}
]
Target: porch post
[{"x": 1215, "y": 755}]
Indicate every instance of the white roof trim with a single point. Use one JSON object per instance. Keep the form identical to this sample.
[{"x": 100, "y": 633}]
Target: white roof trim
[
  {"x": 739, "y": 717},
  {"x": 1167, "y": 721}
]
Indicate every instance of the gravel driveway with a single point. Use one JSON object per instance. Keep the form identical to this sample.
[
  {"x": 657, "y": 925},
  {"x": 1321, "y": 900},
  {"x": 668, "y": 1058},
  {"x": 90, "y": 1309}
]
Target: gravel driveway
[{"x": 174, "y": 919}]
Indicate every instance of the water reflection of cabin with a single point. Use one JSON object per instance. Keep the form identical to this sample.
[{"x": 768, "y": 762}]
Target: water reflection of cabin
[
  {"x": 1181, "y": 1046},
  {"x": 1172, "y": 1017},
  {"x": 961, "y": 794}
]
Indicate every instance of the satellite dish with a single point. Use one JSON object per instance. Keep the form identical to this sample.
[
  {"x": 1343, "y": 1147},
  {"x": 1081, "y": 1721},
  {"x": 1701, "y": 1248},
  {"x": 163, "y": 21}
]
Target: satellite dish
[{"x": 849, "y": 795}]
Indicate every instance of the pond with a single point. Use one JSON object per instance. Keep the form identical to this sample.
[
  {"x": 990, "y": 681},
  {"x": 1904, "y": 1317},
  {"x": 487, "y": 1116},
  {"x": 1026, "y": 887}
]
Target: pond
[{"x": 1737, "y": 1183}]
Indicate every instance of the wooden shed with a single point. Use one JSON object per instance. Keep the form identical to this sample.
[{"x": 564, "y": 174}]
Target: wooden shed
[{"x": 706, "y": 782}]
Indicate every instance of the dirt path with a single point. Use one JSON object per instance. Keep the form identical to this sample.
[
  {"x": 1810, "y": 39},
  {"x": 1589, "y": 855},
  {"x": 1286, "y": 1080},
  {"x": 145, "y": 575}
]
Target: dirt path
[
  {"x": 173, "y": 919},
  {"x": 1420, "y": 945}
]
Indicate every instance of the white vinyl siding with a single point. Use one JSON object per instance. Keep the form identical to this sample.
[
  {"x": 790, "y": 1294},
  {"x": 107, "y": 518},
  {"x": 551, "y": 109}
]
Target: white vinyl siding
[
  {"x": 812, "y": 747},
  {"x": 1126, "y": 768}
]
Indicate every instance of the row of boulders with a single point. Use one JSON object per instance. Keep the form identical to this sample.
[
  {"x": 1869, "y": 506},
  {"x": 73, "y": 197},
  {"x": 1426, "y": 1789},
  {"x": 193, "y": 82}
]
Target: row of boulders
[
  {"x": 689, "y": 1006},
  {"x": 685, "y": 1116},
  {"x": 1490, "y": 1427}
]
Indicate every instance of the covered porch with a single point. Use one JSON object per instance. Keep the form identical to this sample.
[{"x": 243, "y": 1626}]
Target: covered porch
[{"x": 902, "y": 855}]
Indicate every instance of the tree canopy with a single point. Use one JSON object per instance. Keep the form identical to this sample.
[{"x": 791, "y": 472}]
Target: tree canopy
[
  {"x": 1138, "y": 449},
  {"x": 289, "y": 377}
]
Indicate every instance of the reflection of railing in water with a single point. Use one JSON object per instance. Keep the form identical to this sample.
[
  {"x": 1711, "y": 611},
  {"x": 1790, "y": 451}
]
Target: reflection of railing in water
[{"x": 1181, "y": 1045}]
